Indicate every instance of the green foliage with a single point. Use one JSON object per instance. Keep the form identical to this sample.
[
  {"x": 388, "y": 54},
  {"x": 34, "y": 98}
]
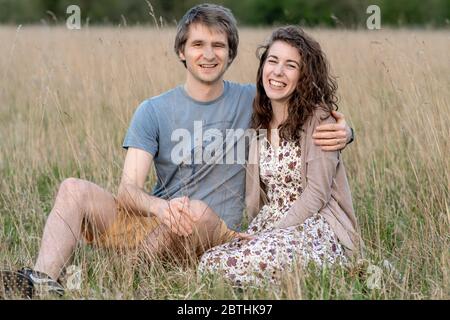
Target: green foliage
[{"x": 349, "y": 13}]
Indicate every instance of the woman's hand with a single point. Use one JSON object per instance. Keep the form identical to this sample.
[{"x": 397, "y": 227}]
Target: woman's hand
[{"x": 244, "y": 236}]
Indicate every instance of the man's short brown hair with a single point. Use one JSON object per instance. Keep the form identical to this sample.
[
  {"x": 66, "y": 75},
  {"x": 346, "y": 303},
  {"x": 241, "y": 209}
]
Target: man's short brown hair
[{"x": 213, "y": 16}]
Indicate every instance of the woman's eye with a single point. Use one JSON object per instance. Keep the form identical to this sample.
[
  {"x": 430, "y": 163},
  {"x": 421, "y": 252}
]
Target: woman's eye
[
  {"x": 291, "y": 66},
  {"x": 272, "y": 61}
]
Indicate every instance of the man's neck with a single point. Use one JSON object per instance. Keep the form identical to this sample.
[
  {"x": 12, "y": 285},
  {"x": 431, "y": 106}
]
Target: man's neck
[{"x": 204, "y": 92}]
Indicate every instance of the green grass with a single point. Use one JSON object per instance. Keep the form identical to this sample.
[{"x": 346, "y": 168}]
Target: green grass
[{"x": 66, "y": 99}]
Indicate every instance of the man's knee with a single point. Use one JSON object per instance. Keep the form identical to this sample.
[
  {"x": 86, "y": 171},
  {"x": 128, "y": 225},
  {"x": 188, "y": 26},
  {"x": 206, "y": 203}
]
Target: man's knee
[
  {"x": 73, "y": 190},
  {"x": 201, "y": 212},
  {"x": 205, "y": 219}
]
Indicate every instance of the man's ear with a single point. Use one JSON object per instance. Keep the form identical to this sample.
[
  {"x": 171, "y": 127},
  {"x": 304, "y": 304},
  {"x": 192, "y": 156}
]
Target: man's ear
[{"x": 181, "y": 56}]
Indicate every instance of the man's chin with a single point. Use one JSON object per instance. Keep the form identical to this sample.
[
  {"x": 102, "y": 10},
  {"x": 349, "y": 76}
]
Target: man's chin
[{"x": 210, "y": 80}]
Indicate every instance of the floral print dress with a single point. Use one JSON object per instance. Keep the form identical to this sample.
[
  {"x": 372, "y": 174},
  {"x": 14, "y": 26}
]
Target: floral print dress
[{"x": 272, "y": 251}]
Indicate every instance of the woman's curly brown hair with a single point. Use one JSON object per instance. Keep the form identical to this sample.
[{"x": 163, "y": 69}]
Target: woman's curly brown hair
[{"x": 315, "y": 88}]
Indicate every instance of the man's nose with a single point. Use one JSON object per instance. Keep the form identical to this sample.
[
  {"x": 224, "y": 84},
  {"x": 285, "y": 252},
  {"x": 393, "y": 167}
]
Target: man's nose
[{"x": 208, "y": 52}]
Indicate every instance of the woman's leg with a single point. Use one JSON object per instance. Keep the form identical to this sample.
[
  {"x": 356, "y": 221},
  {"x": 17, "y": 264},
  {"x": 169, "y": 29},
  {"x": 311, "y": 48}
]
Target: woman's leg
[
  {"x": 249, "y": 262},
  {"x": 270, "y": 253}
]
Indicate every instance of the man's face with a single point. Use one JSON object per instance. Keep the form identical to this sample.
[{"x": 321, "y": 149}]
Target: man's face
[{"x": 206, "y": 54}]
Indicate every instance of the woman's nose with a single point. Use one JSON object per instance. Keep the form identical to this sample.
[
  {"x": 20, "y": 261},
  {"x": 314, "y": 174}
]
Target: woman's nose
[{"x": 278, "y": 70}]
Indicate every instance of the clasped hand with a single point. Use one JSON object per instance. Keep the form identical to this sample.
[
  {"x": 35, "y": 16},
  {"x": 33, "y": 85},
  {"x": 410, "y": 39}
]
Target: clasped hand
[{"x": 178, "y": 215}]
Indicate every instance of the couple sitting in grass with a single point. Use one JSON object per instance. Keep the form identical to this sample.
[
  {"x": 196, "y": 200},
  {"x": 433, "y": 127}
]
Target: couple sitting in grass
[{"x": 291, "y": 185}]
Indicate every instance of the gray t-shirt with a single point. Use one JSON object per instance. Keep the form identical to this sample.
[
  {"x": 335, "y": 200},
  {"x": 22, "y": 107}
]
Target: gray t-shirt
[{"x": 197, "y": 146}]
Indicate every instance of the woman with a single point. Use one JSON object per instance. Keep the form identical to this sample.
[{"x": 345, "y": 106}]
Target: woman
[{"x": 297, "y": 194}]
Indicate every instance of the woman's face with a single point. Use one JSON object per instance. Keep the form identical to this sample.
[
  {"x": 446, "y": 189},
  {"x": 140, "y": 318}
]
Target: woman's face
[{"x": 281, "y": 71}]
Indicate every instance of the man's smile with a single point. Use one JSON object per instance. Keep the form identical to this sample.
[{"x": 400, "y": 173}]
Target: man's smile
[{"x": 208, "y": 66}]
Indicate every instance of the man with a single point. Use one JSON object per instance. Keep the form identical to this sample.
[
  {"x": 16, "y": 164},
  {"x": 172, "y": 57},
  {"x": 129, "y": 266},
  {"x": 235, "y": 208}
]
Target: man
[{"x": 186, "y": 190}]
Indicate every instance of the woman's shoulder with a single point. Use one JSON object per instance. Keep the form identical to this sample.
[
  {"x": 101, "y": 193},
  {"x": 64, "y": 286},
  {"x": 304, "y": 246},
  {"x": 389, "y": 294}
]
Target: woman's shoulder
[
  {"x": 320, "y": 115},
  {"x": 323, "y": 114}
]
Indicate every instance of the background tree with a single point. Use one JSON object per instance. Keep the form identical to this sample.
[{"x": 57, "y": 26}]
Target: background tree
[{"x": 343, "y": 13}]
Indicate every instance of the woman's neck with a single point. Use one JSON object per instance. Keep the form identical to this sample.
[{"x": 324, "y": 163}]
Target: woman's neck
[{"x": 279, "y": 114}]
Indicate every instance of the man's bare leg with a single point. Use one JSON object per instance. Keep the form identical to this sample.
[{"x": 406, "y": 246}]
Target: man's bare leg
[{"x": 76, "y": 200}]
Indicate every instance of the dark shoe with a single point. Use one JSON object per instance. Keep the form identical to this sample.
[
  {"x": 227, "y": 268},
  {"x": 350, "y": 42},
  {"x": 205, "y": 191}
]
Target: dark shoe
[
  {"x": 14, "y": 285},
  {"x": 26, "y": 284},
  {"x": 42, "y": 283}
]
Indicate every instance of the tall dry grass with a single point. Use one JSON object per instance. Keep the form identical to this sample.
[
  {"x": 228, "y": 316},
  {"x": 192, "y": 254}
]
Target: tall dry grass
[{"x": 66, "y": 99}]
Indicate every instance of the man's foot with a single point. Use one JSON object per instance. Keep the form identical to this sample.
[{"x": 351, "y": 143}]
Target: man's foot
[
  {"x": 14, "y": 285},
  {"x": 27, "y": 283}
]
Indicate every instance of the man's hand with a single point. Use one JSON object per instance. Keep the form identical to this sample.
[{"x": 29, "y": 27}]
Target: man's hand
[
  {"x": 333, "y": 136},
  {"x": 176, "y": 214}
]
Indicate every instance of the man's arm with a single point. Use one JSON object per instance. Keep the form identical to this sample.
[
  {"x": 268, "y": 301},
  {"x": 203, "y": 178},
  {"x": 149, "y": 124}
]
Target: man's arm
[
  {"x": 131, "y": 194},
  {"x": 333, "y": 136}
]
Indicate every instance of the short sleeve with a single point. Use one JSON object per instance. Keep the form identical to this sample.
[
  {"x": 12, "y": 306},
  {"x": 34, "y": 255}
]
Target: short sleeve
[
  {"x": 251, "y": 90},
  {"x": 143, "y": 132}
]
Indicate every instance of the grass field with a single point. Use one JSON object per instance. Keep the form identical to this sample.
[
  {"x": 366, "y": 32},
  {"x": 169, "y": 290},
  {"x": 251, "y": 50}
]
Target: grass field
[{"x": 66, "y": 99}]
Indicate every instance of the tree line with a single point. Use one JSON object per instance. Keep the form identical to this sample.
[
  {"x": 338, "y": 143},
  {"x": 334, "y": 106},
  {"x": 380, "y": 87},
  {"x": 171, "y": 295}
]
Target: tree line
[{"x": 331, "y": 13}]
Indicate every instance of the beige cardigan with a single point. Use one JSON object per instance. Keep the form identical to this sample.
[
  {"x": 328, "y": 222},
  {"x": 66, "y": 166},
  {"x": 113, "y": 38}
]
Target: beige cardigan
[{"x": 325, "y": 188}]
